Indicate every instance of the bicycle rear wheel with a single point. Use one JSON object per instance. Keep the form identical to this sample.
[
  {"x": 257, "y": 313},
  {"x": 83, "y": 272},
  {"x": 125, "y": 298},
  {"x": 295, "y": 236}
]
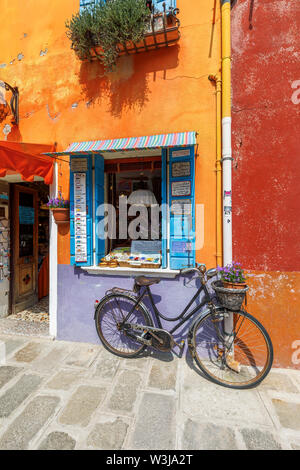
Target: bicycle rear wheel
[
  {"x": 111, "y": 311},
  {"x": 237, "y": 357}
]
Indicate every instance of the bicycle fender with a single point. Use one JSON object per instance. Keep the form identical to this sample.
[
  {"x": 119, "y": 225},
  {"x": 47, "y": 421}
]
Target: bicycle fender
[
  {"x": 132, "y": 297},
  {"x": 197, "y": 318}
]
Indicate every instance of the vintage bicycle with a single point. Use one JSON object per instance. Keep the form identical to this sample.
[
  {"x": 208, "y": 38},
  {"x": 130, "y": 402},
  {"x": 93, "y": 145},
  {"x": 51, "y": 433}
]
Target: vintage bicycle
[{"x": 231, "y": 348}]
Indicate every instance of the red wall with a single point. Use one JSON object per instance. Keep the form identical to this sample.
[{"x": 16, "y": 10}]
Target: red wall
[
  {"x": 266, "y": 167},
  {"x": 266, "y": 133}
]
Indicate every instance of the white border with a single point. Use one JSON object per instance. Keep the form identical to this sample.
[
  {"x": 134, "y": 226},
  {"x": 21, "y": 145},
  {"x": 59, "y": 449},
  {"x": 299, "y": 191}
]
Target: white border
[{"x": 53, "y": 261}]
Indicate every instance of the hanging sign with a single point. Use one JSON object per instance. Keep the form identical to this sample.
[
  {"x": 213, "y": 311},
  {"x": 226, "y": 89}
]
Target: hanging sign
[
  {"x": 181, "y": 153},
  {"x": 181, "y": 169},
  {"x": 181, "y": 188},
  {"x": 181, "y": 207},
  {"x": 80, "y": 217},
  {"x": 79, "y": 164}
]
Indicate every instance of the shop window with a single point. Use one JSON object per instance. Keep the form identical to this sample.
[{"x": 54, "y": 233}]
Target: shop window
[{"x": 135, "y": 212}]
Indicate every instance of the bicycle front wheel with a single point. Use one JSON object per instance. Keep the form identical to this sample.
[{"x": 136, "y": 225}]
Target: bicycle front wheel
[
  {"x": 234, "y": 351},
  {"x": 110, "y": 313}
]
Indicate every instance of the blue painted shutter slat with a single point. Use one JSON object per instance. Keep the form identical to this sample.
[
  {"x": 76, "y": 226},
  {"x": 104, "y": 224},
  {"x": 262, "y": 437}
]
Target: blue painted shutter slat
[
  {"x": 182, "y": 223},
  {"x": 158, "y": 4},
  {"x": 164, "y": 206},
  {"x": 99, "y": 201},
  {"x": 89, "y": 213}
]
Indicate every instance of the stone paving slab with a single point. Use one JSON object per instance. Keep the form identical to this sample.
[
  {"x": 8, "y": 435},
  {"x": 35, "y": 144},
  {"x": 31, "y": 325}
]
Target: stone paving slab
[
  {"x": 81, "y": 406},
  {"x": 208, "y": 436},
  {"x": 64, "y": 395},
  {"x": 156, "y": 425},
  {"x": 30, "y": 352},
  {"x": 288, "y": 413},
  {"x": 63, "y": 380},
  {"x": 15, "y": 395},
  {"x": 108, "y": 434},
  {"x": 279, "y": 382},
  {"x": 163, "y": 375},
  {"x": 58, "y": 441},
  {"x": 28, "y": 423},
  {"x": 82, "y": 356},
  {"x": 7, "y": 347},
  {"x": 7, "y": 373},
  {"x": 124, "y": 393},
  {"x": 204, "y": 399},
  {"x": 255, "y": 439}
]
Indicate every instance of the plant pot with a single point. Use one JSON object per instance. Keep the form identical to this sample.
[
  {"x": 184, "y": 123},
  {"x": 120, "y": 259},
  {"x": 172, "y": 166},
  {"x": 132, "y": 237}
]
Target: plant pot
[
  {"x": 61, "y": 215},
  {"x": 234, "y": 285},
  {"x": 230, "y": 298}
]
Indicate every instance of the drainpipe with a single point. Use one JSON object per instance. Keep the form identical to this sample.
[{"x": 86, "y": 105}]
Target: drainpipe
[
  {"x": 226, "y": 132},
  {"x": 216, "y": 79}
]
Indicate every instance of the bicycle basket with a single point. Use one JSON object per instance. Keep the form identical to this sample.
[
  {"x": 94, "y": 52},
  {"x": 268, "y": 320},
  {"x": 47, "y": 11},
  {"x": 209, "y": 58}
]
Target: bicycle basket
[{"x": 231, "y": 299}]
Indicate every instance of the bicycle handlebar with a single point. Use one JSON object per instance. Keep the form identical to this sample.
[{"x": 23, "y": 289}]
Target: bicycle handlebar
[
  {"x": 188, "y": 270},
  {"x": 201, "y": 270}
]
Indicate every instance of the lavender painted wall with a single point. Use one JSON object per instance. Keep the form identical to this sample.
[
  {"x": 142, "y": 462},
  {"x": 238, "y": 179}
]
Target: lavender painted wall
[{"x": 78, "y": 290}]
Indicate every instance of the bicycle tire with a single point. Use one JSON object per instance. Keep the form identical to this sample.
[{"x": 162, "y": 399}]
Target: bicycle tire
[
  {"x": 140, "y": 313},
  {"x": 247, "y": 384}
]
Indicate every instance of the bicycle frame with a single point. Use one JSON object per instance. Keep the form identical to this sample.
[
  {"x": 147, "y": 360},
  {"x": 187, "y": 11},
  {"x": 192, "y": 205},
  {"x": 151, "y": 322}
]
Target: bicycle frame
[{"x": 206, "y": 300}]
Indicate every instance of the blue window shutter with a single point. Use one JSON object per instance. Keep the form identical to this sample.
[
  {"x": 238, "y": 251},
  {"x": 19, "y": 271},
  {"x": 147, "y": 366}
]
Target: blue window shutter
[
  {"x": 89, "y": 213},
  {"x": 99, "y": 201},
  {"x": 182, "y": 223},
  {"x": 158, "y": 4},
  {"x": 164, "y": 211}
]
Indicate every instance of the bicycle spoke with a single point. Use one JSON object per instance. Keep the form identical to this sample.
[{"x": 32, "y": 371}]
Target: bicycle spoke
[
  {"x": 109, "y": 320},
  {"x": 239, "y": 360}
]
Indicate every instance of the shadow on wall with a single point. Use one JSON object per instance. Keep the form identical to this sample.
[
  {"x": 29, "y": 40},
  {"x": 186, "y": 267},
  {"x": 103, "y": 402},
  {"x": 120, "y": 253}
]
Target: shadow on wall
[{"x": 128, "y": 86}]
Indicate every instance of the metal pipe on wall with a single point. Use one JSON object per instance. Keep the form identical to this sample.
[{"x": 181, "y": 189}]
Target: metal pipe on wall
[{"x": 226, "y": 132}]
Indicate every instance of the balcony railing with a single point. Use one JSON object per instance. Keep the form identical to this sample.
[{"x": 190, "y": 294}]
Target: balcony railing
[{"x": 163, "y": 31}]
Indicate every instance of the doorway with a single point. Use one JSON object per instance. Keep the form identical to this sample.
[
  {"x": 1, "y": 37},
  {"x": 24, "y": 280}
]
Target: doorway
[{"x": 29, "y": 283}]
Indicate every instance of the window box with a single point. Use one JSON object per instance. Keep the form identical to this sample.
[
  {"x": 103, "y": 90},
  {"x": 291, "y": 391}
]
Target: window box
[{"x": 163, "y": 31}]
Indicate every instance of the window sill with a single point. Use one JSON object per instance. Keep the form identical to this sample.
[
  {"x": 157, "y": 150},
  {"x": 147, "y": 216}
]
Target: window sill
[{"x": 132, "y": 272}]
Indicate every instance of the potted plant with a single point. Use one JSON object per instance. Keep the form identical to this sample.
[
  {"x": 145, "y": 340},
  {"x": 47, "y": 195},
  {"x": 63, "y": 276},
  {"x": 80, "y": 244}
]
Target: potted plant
[
  {"x": 232, "y": 276},
  {"x": 60, "y": 208},
  {"x": 231, "y": 288},
  {"x": 107, "y": 29},
  {"x": 104, "y": 25}
]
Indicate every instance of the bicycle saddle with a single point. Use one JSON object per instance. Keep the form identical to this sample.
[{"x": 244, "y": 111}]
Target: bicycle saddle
[{"x": 146, "y": 281}]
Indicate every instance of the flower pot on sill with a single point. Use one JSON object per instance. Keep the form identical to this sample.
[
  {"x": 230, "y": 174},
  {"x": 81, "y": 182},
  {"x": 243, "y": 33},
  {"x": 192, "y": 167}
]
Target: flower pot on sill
[{"x": 61, "y": 215}]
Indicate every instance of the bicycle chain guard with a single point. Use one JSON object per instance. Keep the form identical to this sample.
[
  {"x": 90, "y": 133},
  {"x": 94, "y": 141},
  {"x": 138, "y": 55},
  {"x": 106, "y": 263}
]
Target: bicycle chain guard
[{"x": 160, "y": 339}]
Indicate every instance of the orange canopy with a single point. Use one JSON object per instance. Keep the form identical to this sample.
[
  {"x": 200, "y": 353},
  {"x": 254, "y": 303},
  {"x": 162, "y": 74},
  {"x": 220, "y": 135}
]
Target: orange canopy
[{"x": 27, "y": 160}]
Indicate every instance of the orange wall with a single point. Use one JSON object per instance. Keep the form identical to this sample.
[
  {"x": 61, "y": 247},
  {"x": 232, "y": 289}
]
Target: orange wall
[
  {"x": 64, "y": 100},
  {"x": 273, "y": 299}
]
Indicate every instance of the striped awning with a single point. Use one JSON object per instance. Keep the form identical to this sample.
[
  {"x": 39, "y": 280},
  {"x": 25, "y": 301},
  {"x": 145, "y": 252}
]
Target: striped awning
[{"x": 176, "y": 139}]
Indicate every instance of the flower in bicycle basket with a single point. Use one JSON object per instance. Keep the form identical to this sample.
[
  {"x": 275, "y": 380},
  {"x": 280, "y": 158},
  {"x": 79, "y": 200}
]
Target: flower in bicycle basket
[{"x": 232, "y": 273}]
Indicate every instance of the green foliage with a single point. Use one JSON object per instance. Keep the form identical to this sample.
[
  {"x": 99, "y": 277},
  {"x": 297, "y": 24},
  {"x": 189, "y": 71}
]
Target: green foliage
[{"x": 107, "y": 24}]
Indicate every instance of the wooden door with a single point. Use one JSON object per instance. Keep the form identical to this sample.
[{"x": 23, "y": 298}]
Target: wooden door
[{"x": 24, "y": 287}]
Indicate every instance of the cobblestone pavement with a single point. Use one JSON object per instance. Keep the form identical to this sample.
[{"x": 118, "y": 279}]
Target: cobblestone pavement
[
  {"x": 37, "y": 313},
  {"x": 63, "y": 395}
]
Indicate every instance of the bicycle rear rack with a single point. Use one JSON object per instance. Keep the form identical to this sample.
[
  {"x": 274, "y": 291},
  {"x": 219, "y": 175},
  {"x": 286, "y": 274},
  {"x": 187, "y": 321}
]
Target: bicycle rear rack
[{"x": 119, "y": 290}]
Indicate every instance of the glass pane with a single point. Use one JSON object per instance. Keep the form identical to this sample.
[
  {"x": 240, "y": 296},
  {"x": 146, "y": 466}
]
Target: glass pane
[{"x": 26, "y": 224}]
